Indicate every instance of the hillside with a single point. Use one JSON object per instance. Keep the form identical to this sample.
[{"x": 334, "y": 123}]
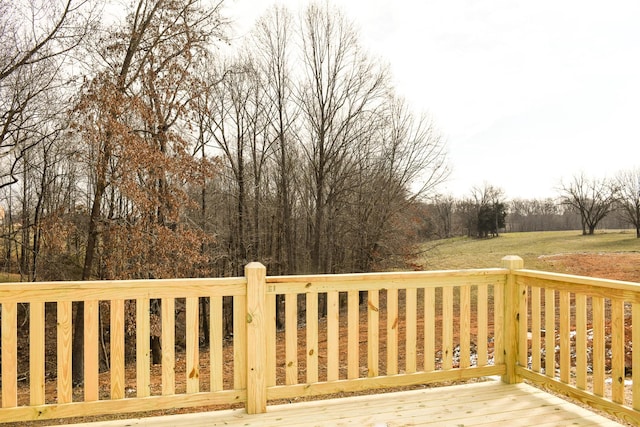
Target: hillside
[{"x": 612, "y": 254}]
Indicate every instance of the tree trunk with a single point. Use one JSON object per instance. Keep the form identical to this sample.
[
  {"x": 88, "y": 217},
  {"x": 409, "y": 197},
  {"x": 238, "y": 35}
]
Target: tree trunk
[
  {"x": 92, "y": 238},
  {"x": 156, "y": 350}
]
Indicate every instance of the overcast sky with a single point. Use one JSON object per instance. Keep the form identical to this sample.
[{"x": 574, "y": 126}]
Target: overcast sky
[{"x": 527, "y": 93}]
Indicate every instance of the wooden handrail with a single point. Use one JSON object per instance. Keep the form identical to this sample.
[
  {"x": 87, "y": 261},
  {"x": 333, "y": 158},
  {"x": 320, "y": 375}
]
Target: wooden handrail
[
  {"x": 590, "y": 367},
  {"x": 314, "y": 362}
]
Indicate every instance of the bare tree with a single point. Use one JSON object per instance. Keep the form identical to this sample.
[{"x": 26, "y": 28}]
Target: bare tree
[
  {"x": 231, "y": 125},
  {"x": 629, "y": 184},
  {"x": 403, "y": 161},
  {"x": 35, "y": 38},
  {"x": 444, "y": 208},
  {"x": 340, "y": 86},
  {"x": 593, "y": 198},
  {"x": 534, "y": 215},
  {"x": 44, "y": 171},
  {"x": 272, "y": 36}
]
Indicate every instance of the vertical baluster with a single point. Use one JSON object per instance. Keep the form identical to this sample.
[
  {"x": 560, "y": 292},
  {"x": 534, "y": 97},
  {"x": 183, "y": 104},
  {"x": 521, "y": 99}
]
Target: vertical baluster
[
  {"x": 215, "y": 343},
  {"x": 581, "y": 341},
  {"x": 91, "y": 351},
  {"x": 523, "y": 326},
  {"x": 143, "y": 352},
  {"x": 550, "y": 332},
  {"x": 598, "y": 345},
  {"x": 9, "y": 351},
  {"x": 291, "y": 338},
  {"x": 192, "y": 317},
  {"x": 36, "y": 353},
  {"x": 239, "y": 342},
  {"x": 353, "y": 335},
  {"x": 536, "y": 326},
  {"x": 392, "y": 331},
  {"x": 116, "y": 332},
  {"x": 465, "y": 326},
  {"x": 312, "y": 337},
  {"x": 168, "y": 337},
  {"x": 373, "y": 333},
  {"x": 447, "y": 327},
  {"x": 565, "y": 354},
  {"x": 483, "y": 330},
  {"x": 64, "y": 334},
  {"x": 333, "y": 336},
  {"x": 411, "y": 327},
  {"x": 498, "y": 322},
  {"x": 270, "y": 312},
  {"x": 617, "y": 350},
  {"x": 429, "y": 329}
]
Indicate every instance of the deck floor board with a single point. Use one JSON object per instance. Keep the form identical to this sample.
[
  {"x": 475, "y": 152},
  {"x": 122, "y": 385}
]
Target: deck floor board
[{"x": 488, "y": 403}]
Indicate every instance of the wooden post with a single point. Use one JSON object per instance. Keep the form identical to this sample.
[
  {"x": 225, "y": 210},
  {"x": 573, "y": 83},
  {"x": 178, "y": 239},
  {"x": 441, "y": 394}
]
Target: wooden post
[
  {"x": 511, "y": 315},
  {"x": 256, "y": 338}
]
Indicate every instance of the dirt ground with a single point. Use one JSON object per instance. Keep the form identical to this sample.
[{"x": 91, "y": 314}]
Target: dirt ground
[
  {"x": 621, "y": 266},
  {"x": 617, "y": 266}
]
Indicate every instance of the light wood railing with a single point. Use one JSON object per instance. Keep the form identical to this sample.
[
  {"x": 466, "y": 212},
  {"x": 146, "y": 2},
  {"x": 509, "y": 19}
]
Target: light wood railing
[
  {"x": 337, "y": 333},
  {"x": 576, "y": 337},
  {"x": 24, "y": 395}
]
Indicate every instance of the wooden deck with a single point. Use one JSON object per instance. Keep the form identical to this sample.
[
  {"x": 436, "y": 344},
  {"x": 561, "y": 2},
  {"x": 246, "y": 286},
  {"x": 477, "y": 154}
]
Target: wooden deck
[{"x": 479, "y": 404}]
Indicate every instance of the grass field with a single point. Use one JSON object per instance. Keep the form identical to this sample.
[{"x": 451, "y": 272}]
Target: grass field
[{"x": 464, "y": 252}]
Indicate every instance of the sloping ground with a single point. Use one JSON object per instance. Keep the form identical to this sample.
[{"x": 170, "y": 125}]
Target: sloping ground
[{"x": 617, "y": 266}]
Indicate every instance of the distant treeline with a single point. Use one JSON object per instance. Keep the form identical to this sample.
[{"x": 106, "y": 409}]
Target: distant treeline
[{"x": 449, "y": 217}]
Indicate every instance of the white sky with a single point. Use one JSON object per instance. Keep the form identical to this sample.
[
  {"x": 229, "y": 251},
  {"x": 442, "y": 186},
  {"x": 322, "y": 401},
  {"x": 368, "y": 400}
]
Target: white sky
[{"x": 526, "y": 93}]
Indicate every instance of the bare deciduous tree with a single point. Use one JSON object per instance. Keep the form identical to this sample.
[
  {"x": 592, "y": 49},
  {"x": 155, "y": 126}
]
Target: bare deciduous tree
[
  {"x": 341, "y": 86},
  {"x": 35, "y": 37},
  {"x": 444, "y": 208},
  {"x": 272, "y": 36},
  {"x": 629, "y": 184},
  {"x": 593, "y": 198}
]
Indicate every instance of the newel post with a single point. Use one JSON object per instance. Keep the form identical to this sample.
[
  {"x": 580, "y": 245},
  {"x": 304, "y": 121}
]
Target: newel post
[
  {"x": 511, "y": 318},
  {"x": 256, "y": 351}
]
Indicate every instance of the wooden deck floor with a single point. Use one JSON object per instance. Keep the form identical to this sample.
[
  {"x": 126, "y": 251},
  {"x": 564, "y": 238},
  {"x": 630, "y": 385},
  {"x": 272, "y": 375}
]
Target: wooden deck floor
[{"x": 480, "y": 404}]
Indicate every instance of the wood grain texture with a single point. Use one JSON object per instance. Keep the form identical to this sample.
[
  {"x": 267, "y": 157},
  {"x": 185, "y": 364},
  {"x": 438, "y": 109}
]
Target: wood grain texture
[
  {"x": 143, "y": 351},
  {"x": 481, "y": 404},
  {"x": 64, "y": 334},
  {"x": 91, "y": 351}
]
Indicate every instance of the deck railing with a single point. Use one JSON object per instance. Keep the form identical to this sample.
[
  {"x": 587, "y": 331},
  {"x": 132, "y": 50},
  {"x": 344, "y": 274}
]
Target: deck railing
[
  {"x": 576, "y": 336},
  {"x": 337, "y": 333}
]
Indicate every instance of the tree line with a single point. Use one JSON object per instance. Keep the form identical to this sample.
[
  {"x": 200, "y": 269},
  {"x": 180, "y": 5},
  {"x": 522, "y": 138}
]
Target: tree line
[
  {"x": 583, "y": 203},
  {"x": 137, "y": 144},
  {"x": 141, "y": 141}
]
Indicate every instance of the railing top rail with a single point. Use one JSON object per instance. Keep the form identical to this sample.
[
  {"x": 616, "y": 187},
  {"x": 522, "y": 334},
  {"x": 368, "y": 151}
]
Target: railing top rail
[
  {"x": 378, "y": 281},
  {"x": 124, "y": 283},
  {"x": 579, "y": 280},
  {"x": 394, "y": 275},
  {"x": 121, "y": 289}
]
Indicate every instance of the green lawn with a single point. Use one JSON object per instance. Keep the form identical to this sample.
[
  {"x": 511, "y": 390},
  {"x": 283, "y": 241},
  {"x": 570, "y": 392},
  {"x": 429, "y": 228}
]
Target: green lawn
[{"x": 463, "y": 252}]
